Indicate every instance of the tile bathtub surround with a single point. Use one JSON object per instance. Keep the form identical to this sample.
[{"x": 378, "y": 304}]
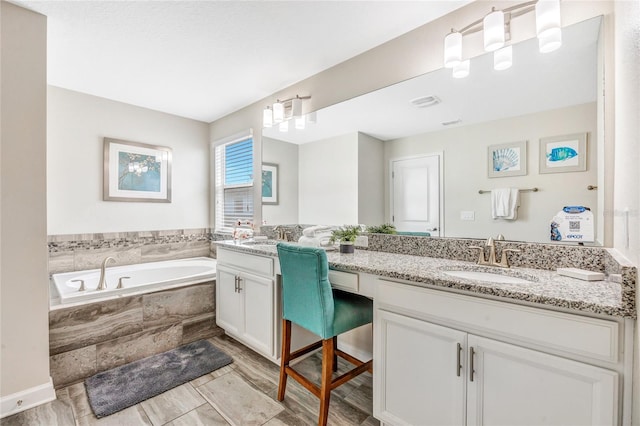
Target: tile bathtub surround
[
  {"x": 87, "y": 339},
  {"x": 78, "y": 252},
  {"x": 532, "y": 255}
]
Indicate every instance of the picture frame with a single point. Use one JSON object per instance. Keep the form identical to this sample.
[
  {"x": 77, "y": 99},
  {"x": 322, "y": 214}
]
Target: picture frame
[
  {"x": 561, "y": 154},
  {"x": 270, "y": 183},
  {"x": 507, "y": 159},
  {"x": 136, "y": 172}
]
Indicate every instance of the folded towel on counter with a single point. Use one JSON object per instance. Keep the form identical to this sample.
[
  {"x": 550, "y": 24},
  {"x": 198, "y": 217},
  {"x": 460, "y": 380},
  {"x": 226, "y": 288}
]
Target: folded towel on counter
[
  {"x": 312, "y": 230},
  {"x": 505, "y": 203}
]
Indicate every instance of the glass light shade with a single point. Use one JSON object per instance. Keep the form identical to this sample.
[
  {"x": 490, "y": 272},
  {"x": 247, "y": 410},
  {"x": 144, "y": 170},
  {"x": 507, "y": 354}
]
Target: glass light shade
[
  {"x": 452, "y": 49},
  {"x": 547, "y": 17},
  {"x": 551, "y": 41},
  {"x": 278, "y": 112},
  {"x": 300, "y": 122},
  {"x": 312, "y": 117},
  {"x": 284, "y": 126},
  {"x": 296, "y": 107},
  {"x": 267, "y": 117},
  {"x": 462, "y": 69},
  {"x": 503, "y": 58},
  {"x": 493, "y": 26}
]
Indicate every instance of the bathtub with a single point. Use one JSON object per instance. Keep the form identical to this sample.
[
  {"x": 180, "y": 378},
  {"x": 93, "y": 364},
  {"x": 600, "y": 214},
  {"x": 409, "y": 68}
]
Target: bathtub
[{"x": 145, "y": 277}]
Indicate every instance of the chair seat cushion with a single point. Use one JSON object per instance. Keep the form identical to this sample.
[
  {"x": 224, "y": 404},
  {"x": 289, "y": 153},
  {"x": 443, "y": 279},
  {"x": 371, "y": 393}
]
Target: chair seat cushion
[{"x": 350, "y": 311}]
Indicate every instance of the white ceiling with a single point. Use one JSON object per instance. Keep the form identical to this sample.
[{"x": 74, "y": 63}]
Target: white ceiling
[
  {"x": 536, "y": 82},
  {"x": 206, "y": 59}
]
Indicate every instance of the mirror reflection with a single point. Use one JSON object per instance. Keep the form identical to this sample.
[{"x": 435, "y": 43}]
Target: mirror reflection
[{"x": 418, "y": 153}]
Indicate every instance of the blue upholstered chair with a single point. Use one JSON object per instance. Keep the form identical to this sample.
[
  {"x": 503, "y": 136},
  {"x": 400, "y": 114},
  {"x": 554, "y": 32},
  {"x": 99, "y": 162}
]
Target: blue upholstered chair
[{"x": 309, "y": 301}]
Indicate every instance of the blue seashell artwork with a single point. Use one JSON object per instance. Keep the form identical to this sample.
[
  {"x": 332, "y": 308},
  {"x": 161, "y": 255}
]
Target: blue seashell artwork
[
  {"x": 505, "y": 159},
  {"x": 562, "y": 153}
]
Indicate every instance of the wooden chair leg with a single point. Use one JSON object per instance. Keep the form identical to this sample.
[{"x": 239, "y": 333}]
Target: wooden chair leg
[
  {"x": 328, "y": 352},
  {"x": 335, "y": 355},
  {"x": 284, "y": 358}
]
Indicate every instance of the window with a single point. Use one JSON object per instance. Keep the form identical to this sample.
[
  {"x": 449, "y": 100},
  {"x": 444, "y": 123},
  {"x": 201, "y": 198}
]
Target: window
[{"x": 233, "y": 183}]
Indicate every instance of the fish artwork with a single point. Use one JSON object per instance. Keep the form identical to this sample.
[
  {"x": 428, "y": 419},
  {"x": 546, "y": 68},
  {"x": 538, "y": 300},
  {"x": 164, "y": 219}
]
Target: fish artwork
[
  {"x": 505, "y": 159},
  {"x": 561, "y": 154}
]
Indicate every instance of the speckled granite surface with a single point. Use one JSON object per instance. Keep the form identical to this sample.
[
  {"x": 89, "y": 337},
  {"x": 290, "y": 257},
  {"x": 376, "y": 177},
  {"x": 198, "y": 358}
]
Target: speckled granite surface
[
  {"x": 532, "y": 255},
  {"x": 545, "y": 287}
]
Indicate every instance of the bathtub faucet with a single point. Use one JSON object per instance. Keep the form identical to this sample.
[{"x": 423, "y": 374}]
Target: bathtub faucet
[{"x": 102, "y": 284}]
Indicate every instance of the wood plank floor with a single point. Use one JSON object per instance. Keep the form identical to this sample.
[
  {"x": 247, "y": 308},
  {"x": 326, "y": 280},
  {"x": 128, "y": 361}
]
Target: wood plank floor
[{"x": 242, "y": 393}]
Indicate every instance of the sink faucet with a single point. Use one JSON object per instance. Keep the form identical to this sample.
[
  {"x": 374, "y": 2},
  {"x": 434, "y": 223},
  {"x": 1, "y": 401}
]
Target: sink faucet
[
  {"x": 504, "y": 261},
  {"x": 282, "y": 233},
  {"x": 102, "y": 284}
]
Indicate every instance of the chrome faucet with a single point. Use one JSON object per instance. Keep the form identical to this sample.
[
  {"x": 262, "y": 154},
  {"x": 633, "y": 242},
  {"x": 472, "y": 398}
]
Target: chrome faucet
[
  {"x": 102, "y": 284},
  {"x": 282, "y": 233},
  {"x": 504, "y": 261}
]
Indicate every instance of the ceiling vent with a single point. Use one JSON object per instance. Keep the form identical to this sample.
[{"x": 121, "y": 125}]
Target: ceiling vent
[{"x": 425, "y": 101}]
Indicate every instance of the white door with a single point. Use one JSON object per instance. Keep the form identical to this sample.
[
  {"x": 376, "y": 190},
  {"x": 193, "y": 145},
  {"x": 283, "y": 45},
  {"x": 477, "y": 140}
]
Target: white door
[
  {"x": 517, "y": 386},
  {"x": 415, "y": 198},
  {"x": 228, "y": 300},
  {"x": 418, "y": 372},
  {"x": 258, "y": 312}
]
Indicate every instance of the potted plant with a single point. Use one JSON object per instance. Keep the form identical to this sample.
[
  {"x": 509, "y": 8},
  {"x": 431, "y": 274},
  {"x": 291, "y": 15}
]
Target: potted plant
[
  {"x": 386, "y": 228},
  {"x": 346, "y": 235}
]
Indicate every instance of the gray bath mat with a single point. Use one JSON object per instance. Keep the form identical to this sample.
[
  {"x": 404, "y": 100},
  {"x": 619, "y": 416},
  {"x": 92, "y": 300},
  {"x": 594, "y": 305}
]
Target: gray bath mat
[{"x": 119, "y": 388}]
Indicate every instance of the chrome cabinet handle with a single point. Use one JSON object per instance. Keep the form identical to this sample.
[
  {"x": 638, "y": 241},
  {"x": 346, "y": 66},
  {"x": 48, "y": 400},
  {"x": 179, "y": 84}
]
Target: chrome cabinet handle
[
  {"x": 239, "y": 284},
  {"x": 471, "y": 354},
  {"x": 81, "y": 284},
  {"x": 458, "y": 355},
  {"x": 236, "y": 285}
]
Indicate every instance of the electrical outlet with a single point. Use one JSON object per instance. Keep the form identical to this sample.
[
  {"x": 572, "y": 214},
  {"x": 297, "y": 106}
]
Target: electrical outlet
[
  {"x": 467, "y": 215},
  {"x": 362, "y": 241}
]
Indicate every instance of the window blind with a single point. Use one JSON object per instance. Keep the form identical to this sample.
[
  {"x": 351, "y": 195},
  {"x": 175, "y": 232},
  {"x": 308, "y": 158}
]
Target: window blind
[{"x": 234, "y": 183}]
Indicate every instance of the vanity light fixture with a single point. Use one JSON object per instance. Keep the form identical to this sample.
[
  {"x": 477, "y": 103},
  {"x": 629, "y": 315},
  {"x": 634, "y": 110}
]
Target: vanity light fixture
[
  {"x": 496, "y": 27},
  {"x": 452, "y": 49},
  {"x": 283, "y": 110},
  {"x": 462, "y": 69},
  {"x": 267, "y": 117},
  {"x": 493, "y": 25},
  {"x": 503, "y": 58},
  {"x": 278, "y": 112},
  {"x": 300, "y": 122}
]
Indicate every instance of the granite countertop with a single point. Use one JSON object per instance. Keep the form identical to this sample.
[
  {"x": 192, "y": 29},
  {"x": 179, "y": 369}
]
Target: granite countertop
[{"x": 544, "y": 287}]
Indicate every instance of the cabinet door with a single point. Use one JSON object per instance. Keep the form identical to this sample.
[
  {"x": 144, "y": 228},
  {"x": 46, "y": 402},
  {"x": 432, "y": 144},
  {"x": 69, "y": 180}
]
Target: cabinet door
[
  {"x": 228, "y": 301},
  {"x": 258, "y": 298},
  {"x": 517, "y": 386},
  {"x": 418, "y": 372}
]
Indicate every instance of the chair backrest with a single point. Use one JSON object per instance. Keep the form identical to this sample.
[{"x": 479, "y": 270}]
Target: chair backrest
[{"x": 307, "y": 299}]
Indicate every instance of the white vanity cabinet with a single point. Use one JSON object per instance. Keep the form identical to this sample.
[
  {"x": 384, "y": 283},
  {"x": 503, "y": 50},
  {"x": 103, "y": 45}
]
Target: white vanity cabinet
[
  {"x": 447, "y": 359},
  {"x": 245, "y": 299}
]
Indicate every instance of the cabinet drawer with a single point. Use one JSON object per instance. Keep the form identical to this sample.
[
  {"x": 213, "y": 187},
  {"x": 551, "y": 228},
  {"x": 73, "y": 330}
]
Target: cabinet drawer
[
  {"x": 557, "y": 331},
  {"x": 248, "y": 262},
  {"x": 347, "y": 281}
]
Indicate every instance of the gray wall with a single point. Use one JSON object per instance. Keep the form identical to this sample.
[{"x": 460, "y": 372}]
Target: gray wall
[
  {"x": 23, "y": 218},
  {"x": 285, "y": 155},
  {"x": 465, "y": 174},
  {"x": 77, "y": 125},
  {"x": 627, "y": 173}
]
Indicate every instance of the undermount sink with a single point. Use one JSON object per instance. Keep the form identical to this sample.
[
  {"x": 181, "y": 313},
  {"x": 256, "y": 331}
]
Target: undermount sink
[{"x": 487, "y": 277}]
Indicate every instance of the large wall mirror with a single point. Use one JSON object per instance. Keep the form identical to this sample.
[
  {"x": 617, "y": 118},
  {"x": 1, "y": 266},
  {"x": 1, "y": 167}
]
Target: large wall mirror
[{"x": 354, "y": 165}]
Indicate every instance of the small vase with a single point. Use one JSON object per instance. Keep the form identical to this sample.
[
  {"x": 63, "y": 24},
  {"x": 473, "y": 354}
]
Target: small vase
[{"x": 346, "y": 247}]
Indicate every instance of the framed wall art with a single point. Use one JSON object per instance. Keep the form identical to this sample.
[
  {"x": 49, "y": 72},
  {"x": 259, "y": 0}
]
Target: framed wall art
[
  {"x": 567, "y": 153},
  {"x": 507, "y": 159},
  {"x": 269, "y": 183},
  {"x": 136, "y": 172}
]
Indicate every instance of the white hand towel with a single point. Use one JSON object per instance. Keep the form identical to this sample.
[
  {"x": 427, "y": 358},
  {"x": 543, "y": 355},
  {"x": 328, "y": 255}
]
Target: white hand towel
[{"x": 504, "y": 203}]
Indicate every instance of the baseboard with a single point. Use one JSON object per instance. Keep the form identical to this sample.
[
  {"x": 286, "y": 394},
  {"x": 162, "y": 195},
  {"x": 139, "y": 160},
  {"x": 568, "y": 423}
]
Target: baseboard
[{"x": 28, "y": 398}]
